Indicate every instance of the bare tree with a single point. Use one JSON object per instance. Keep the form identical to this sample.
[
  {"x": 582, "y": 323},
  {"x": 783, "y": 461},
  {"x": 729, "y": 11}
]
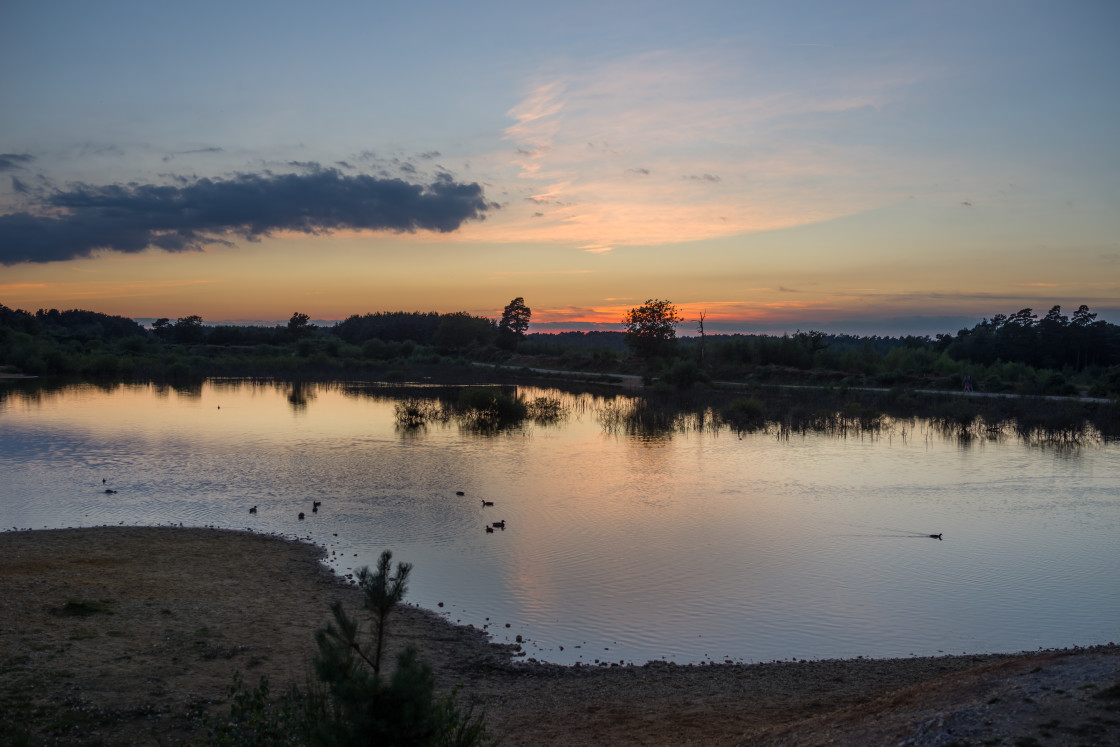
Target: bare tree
[{"x": 700, "y": 328}]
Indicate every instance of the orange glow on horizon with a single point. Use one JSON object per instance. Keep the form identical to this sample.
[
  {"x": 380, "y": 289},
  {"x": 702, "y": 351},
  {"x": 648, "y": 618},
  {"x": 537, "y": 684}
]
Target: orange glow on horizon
[{"x": 714, "y": 311}]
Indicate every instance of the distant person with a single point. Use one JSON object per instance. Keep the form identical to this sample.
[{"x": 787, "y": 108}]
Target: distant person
[{"x": 968, "y": 383}]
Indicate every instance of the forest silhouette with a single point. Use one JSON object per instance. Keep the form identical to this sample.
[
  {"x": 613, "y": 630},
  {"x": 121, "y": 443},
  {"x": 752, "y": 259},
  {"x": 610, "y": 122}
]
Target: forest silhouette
[{"x": 1019, "y": 353}]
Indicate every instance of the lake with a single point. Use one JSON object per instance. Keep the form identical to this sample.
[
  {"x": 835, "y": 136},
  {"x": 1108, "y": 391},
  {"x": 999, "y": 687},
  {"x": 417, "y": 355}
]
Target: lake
[{"x": 691, "y": 543}]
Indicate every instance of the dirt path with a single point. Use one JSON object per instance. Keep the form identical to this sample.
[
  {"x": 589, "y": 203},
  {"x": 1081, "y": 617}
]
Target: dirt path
[{"x": 174, "y": 612}]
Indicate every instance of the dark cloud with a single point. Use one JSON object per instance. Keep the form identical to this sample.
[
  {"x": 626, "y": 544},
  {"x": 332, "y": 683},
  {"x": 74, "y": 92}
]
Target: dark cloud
[
  {"x": 134, "y": 217},
  {"x": 703, "y": 178},
  {"x": 642, "y": 172},
  {"x": 20, "y": 187},
  {"x": 966, "y": 203},
  {"x": 12, "y": 161}
]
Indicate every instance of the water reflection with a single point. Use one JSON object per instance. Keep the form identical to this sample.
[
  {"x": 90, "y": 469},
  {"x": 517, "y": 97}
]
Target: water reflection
[
  {"x": 299, "y": 395},
  {"x": 743, "y": 527}
]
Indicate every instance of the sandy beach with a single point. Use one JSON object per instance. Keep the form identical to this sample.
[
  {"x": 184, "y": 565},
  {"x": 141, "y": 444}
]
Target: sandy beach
[{"x": 174, "y": 612}]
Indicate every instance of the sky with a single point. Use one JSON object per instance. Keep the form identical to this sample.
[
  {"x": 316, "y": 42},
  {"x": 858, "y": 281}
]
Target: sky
[{"x": 859, "y": 167}]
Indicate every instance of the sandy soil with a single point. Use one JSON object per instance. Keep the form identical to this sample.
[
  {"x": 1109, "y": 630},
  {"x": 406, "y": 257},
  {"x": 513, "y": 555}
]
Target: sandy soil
[{"x": 174, "y": 612}]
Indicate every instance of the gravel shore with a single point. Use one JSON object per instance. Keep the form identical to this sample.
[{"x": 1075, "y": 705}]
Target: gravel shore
[{"x": 174, "y": 612}]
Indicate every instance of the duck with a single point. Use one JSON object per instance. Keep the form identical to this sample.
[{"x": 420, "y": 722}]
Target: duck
[
  {"x": 489, "y": 530},
  {"x": 315, "y": 506},
  {"x": 500, "y": 524},
  {"x": 488, "y": 503},
  {"x": 110, "y": 491},
  {"x": 935, "y": 536},
  {"x": 253, "y": 510},
  {"x": 301, "y": 515},
  {"x": 459, "y": 492}
]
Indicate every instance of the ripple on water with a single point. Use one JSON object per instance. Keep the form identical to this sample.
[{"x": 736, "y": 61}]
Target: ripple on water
[{"x": 687, "y": 547}]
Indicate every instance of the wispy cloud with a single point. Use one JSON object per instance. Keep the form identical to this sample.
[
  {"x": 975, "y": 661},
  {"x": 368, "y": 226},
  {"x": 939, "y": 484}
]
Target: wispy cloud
[
  {"x": 582, "y": 136},
  {"x": 191, "y": 214},
  {"x": 192, "y": 152}
]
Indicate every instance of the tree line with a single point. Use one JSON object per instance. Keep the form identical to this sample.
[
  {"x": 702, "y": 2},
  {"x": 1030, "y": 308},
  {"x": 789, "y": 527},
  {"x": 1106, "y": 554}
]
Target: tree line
[{"x": 1020, "y": 352}]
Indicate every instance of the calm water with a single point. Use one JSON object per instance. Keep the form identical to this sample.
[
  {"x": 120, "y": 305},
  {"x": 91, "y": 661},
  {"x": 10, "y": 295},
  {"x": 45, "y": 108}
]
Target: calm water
[{"x": 691, "y": 546}]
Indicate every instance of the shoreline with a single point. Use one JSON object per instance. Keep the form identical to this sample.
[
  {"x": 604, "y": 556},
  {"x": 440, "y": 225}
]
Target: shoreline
[
  {"x": 342, "y": 581},
  {"x": 183, "y": 608}
]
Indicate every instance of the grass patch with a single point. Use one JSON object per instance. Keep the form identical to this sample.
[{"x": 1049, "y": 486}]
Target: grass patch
[{"x": 83, "y": 608}]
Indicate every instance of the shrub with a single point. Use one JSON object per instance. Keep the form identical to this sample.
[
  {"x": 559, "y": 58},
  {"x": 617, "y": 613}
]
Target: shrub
[
  {"x": 490, "y": 407},
  {"x": 684, "y": 374},
  {"x": 745, "y": 412}
]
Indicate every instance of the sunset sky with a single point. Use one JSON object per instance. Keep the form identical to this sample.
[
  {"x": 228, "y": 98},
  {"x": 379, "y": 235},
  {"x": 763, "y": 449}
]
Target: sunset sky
[{"x": 865, "y": 167}]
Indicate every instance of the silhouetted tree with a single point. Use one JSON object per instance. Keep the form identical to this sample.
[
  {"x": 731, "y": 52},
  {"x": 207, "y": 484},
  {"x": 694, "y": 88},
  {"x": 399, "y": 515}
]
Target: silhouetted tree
[
  {"x": 651, "y": 328},
  {"x": 162, "y": 328},
  {"x": 514, "y": 323},
  {"x": 189, "y": 329},
  {"x": 299, "y": 324}
]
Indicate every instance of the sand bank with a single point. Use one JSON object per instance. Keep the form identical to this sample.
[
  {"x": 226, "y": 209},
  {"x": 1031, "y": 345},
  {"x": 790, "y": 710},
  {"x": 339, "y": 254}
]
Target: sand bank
[{"x": 177, "y": 611}]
